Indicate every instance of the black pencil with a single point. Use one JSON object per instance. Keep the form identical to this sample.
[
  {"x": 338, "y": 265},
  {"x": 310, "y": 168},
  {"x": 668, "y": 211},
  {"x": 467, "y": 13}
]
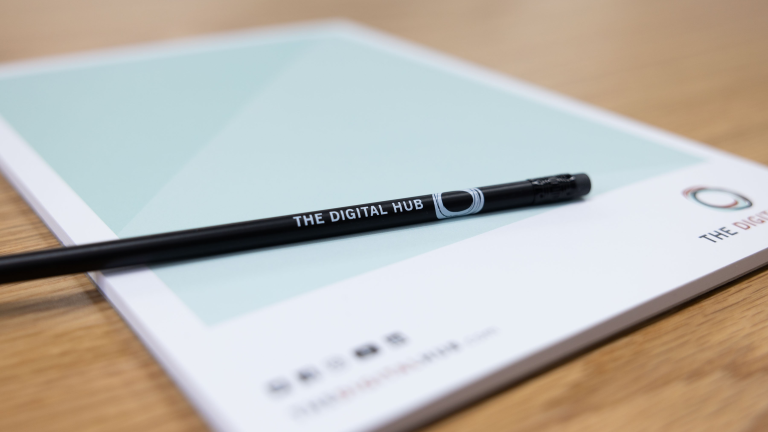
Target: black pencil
[{"x": 221, "y": 239}]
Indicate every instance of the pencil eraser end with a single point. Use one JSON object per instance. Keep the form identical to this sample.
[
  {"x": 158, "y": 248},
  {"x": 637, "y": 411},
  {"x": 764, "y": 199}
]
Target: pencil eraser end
[{"x": 583, "y": 184}]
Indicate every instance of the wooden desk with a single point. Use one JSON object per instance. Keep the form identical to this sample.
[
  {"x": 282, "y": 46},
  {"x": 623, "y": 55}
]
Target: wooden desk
[{"x": 700, "y": 69}]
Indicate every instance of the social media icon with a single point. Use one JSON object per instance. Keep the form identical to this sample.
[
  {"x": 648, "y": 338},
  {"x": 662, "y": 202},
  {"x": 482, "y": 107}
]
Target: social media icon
[
  {"x": 279, "y": 387},
  {"x": 308, "y": 375},
  {"x": 366, "y": 351},
  {"x": 336, "y": 363},
  {"x": 396, "y": 339}
]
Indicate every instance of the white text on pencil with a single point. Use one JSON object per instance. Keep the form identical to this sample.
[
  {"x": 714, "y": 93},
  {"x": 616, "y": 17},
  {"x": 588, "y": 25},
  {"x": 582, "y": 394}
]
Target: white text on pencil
[{"x": 358, "y": 212}]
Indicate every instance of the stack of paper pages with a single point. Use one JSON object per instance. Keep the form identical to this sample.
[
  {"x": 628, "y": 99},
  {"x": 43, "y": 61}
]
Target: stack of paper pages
[{"x": 390, "y": 329}]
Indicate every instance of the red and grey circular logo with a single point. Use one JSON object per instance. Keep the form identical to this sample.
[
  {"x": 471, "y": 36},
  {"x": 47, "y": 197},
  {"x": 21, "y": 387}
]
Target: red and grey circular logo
[{"x": 717, "y": 198}]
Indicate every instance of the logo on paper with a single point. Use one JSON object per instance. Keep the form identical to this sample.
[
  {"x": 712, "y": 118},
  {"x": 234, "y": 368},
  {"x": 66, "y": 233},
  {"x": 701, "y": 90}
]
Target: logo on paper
[{"x": 717, "y": 198}]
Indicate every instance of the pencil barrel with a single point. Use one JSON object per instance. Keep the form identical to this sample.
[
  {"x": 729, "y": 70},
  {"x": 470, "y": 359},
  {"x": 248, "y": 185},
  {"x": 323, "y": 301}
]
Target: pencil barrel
[{"x": 242, "y": 236}]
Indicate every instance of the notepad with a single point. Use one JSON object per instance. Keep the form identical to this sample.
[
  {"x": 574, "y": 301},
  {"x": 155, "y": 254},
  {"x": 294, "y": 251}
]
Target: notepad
[{"x": 385, "y": 330}]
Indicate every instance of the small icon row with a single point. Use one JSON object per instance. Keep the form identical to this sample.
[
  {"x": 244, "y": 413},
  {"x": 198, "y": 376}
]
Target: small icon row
[{"x": 310, "y": 374}]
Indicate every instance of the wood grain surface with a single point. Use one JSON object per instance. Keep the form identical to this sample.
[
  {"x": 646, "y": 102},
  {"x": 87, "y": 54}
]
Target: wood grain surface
[{"x": 698, "y": 68}]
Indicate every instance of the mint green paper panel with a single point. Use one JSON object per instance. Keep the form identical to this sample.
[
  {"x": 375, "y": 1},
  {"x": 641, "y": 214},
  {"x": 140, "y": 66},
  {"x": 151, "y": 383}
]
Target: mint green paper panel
[
  {"x": 117, "y": 133},
  {"x": 319, "y": 123}
]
